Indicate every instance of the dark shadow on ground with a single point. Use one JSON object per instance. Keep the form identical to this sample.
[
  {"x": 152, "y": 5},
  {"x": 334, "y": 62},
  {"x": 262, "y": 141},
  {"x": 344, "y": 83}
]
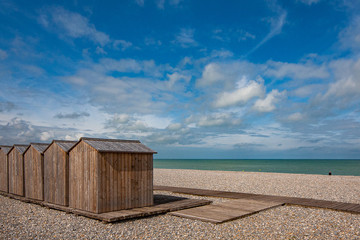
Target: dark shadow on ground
[{"x": 160, "y": 199}]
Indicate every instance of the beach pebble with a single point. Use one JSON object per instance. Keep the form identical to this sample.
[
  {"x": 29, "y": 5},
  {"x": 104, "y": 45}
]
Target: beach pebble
[{"x": 19, "y": 220}]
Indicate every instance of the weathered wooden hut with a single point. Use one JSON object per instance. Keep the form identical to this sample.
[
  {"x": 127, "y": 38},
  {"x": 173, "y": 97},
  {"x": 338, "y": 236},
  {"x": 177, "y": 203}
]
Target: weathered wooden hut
[
  {"x": 110, "y": 174},
  {"x": 56, "y": 172},
  {"x": 34, "y": 170},
  {"x": 4, "y": 168},
  {"x": 16, "y": 169}
]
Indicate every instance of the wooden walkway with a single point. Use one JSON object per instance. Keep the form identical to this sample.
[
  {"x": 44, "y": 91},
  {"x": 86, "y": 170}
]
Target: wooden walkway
[
  {"x": 226, "y": 211},
  {"x": 307, "y": 202},
  {"x": 162, "y": 204}
]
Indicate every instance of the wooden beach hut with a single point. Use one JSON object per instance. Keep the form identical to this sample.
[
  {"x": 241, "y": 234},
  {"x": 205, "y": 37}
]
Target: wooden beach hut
[
  {"x": 110, "y": 174},
  {"x": 56, "y": 172},
  {"x": 16, "y": 169},
  {"x": 4, "y": 168},
  {"x": 34, "y": 170}
]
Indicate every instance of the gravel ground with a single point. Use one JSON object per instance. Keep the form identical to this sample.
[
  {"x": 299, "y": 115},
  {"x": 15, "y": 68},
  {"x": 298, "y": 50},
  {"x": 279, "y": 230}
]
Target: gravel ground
[
  {"x": 20, "y": 220},
  {"x": 324, "y": 187}
]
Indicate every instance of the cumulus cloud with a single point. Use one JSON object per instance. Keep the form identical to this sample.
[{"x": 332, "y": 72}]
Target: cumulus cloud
[
  {"x": 268, "y": 103},
  {"x": 121, "y": 44},
  {"x": 176, "y": 77},
  {"x": 346, "y": 86},
  {"x": 295, "y": 117},
  {"x": 129, "y": 86},
  {"x": 185, "y": 38},
  {"x": 135, "y": 122},
  {"x": 226, "y": 74},
  {"x": 218, "y": 119},
  {"x": 245, "y": 91},
  {"x": 19, "y": 131},
  {"x": 46, "y": 136},
  {"x": 74, "y": 115},
  {"x": 281, "y": 70},
  {"x": 71, "y": 24}
]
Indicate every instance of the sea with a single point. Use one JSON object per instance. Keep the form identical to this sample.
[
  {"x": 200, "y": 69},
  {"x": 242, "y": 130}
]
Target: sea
[{"x": 300, "y": 166}]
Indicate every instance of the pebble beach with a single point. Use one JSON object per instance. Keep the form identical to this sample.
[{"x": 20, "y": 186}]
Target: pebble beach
[{"x": 19, "y": 220}]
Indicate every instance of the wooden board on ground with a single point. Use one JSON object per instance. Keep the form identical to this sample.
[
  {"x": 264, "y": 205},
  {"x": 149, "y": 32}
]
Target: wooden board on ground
[
  {"x": 306, "y": 202},
  {"x": 162, "y": 204},
  {"x": 226, "y": 211}
]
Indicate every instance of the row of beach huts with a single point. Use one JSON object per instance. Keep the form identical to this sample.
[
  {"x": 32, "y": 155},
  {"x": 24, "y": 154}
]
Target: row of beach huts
[{"x": 91, "y": 174}]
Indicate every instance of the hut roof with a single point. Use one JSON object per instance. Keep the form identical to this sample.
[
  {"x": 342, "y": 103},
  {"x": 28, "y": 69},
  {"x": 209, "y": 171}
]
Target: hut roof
[
  {"x": 6, "y": 149},
  {"x": 63, "y": 144},
  {"x": 20, "y": 148},
  {"x": 116, "y": 145},
  {"x": 40, "y": 147}
]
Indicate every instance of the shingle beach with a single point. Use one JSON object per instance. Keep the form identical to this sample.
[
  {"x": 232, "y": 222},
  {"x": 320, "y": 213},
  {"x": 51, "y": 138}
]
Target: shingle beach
[{"x": 20, "y": 220}]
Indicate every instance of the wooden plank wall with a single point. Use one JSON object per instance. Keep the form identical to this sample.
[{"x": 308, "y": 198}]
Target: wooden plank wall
[
  {"x": 16, "y": 172},
  {"x": 83, "y": 171},
  {"x": 56, "y": 173},
  {"x": 126, "y": 180},
  {"x": 103, "y": 182},
  {"x": 4, "y": 187},
  {"x": 34, "y": 174}
]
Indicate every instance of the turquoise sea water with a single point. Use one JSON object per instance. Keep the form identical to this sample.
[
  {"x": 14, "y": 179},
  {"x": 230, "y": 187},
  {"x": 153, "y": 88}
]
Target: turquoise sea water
[{"x": 304, "y": 166}]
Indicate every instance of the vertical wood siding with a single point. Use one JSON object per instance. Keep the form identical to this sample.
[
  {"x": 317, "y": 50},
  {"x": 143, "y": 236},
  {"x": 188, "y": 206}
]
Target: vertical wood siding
[
  {"x": 56, "y": 175},
  {"x": 4, "y": 183},
  {"x": 83, "y": 178},
  {"x": 34, "y": 174},
  {"x": 16, "y": 172},
  {"x": 126, "y": 181},
  {"x": 103, "y": 182}
]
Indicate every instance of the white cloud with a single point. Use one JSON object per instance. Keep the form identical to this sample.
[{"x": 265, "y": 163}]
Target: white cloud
[
  {"x": 74, "y": 137},
  {"x": 245, "y": 91},
  {"x": 225, "y": 73},
  {"x": 3, "y": 54},
  {"x": 268, "y": 103},
  {"x": 154, "y": 121},
  {"x": 295, "y": 70},
  {"x": 276, "y": 25},
  {"x": 295, "y": 117},
  {"x": 140, "y": 2},
  {"x": 174, "y": 126},
  {"x": 221, "y": 53},
  {"x": 121, "y": 44},
  {"x": 218, "y": 119},
  {"x": 350, "y": 36},
  {"x": 72, "y": 25},
  {"x": 46, "y": 136},
  {"x": 175, "y": 78},
  {"x": 309, "y": 2},
  {"x": 100, "y": 50},
  {"x": 185, "y": 38},
  {"x": 211, "y": 74},
  {"x": 347, "y": 75}
]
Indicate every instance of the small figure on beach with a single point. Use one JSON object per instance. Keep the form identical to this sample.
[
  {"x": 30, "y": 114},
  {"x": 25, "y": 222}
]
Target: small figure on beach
[{"x": 330, "y": 173}]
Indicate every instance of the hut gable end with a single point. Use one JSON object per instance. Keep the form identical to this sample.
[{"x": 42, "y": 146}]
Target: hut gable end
[
  {"x": 116, "y": 145},
  {"x": 5, "y": 149},
  {"x": 19, "y": 148},
  {"x": 63, "y": 144},
  {"x": 39, "y": 147}
]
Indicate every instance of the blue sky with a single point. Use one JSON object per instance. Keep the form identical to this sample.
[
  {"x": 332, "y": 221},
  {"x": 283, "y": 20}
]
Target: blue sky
[{"x": 191, "y": 79}]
